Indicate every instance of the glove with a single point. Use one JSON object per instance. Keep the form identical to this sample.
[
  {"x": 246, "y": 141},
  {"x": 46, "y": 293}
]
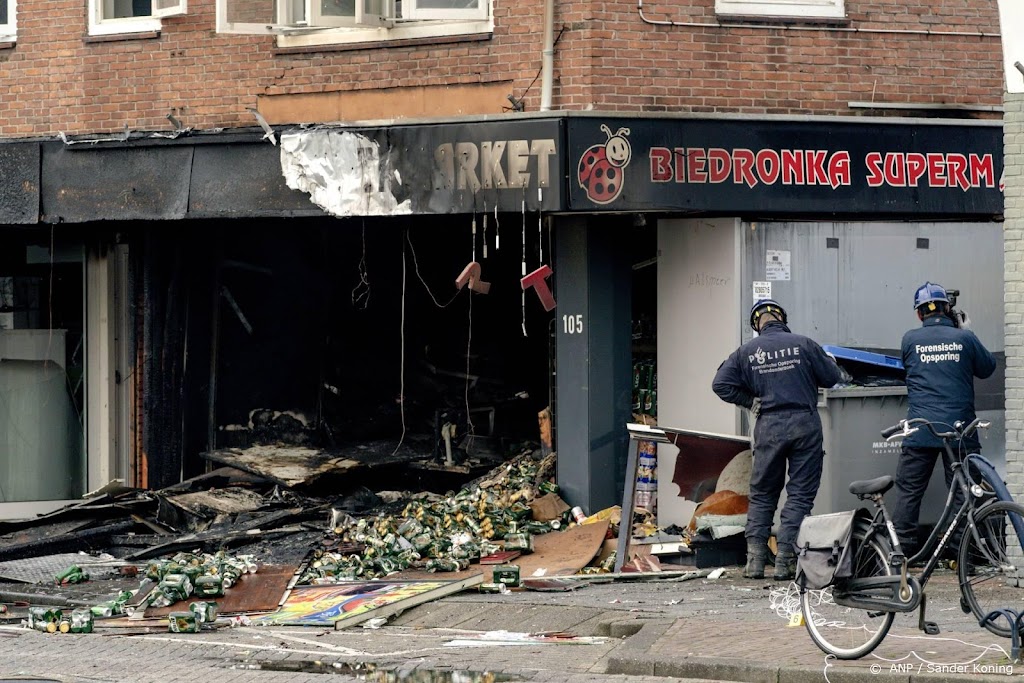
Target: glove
[
  {"x": 755, "y": 408},
  {"x": 962, "y": 321}
]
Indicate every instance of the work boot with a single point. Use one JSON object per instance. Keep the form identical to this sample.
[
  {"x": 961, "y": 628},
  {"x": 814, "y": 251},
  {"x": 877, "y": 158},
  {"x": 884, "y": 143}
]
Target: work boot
[
  {"x": 785, "y": 565},
  {"x": 757, "y": 552}
]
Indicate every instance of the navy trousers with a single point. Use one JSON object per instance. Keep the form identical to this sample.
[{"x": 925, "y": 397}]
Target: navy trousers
[
  {"x": 913, "y": 472},
  {"x": 786, "y": 440}
]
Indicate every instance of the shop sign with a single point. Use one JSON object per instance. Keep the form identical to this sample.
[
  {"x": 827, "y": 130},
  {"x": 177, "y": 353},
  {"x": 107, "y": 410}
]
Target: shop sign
[
  {"x": 785, "y": 167},
  {"x": 515, "y": 166}
]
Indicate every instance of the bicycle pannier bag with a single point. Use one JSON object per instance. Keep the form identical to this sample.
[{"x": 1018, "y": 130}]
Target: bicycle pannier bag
[{"x": 823, "y": 552}]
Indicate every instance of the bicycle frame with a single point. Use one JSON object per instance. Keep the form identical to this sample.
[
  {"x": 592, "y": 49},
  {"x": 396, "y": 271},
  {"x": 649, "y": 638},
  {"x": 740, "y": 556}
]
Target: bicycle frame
[{"x": 864, "y": 593}]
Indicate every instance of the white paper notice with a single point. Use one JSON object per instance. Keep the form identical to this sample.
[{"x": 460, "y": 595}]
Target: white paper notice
[
  {"x": 762, "y": 290},
  {"x": 776, "y": 265}
]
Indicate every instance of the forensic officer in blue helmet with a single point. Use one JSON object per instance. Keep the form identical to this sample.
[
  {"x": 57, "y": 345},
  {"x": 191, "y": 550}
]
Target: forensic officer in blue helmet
[
  {"x": 777, "y": 375},
  {"x": 941, "y": 358}
]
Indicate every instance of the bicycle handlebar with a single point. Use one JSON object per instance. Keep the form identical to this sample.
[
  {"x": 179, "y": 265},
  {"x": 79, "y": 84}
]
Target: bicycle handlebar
[{"x": 908, "y": 427}]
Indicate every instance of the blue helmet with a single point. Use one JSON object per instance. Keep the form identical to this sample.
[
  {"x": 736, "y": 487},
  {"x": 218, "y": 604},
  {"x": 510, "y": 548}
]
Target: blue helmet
[
  {"x": 928, "y": 296},
  {"x": 766, "y": 306}
]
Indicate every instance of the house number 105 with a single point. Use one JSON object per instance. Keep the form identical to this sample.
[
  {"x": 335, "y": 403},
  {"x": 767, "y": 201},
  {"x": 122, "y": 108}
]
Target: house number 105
[{"x": 572, "y": 324}]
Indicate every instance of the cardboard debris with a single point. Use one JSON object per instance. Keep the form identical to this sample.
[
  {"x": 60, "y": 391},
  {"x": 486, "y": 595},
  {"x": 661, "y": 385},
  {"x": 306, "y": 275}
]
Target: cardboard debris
[
  {"x": 253, "y": 594},
  {"x": 548, "y": 507},
  {"x": 559, "y": 553}
]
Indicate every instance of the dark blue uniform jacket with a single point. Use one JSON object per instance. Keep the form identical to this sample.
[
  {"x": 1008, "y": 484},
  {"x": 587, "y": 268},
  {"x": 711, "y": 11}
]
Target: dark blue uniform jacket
[
  {"x": 783, "y": 369},
  {"x": 942, "y": 361}
]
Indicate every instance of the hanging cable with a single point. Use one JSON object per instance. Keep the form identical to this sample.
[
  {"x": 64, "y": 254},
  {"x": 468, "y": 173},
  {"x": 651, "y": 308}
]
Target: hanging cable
[
  {"x": 524, "y": 259},
  {"x": 361, "y": 292},
  {"x": 540, "y": 228},
  {"x": 485, "y": 228},
  {"x": 474, "y": 236},
  {"x": 401, "y": 354},
  {"x": 469, "y": 344},
  {"x": 416, "y": 265}
]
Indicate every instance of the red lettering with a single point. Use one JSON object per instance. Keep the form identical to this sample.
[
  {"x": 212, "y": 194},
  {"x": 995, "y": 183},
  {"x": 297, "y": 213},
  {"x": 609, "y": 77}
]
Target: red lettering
[
  {"x": 696, "y": 165},
  {"x": 895, "y": 170},
  {"x": 719, "y": 165},
  {"x": 768, "y": 166},
  {"x": 982, "y": 169},
  {"x": 792, "y": 167},
  {"x": 679, "y": 164},
  {"x": 816, "y": 168},
  {"x": 957, "y": 165},
  {"x": 839, "y": 169},
  {"x": 744, "y": 163},
  {"x": 471, "y": 274},
  {"x": 661, "y": 171},
  {"x": 915, "y": 168},
  {"x": 874, "y": 163},
  {"x": 536, "y": 279},
  {"x": 936, "y": 170}
]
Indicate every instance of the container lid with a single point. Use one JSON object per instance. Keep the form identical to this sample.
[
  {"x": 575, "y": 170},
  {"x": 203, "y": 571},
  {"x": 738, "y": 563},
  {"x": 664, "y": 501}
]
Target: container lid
[{"x": 843, "y": 353}]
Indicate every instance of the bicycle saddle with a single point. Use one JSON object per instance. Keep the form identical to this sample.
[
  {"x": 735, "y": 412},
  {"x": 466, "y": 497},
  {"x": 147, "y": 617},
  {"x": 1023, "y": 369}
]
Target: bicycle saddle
[{"x": 869, "y": 486}]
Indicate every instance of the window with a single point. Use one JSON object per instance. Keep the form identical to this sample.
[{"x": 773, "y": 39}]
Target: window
[
  {"x": 801, "y": 9},
  {"x": 317, "y": 22},
  {"x": 130, "y": 16},
  {"x": 7, "y": 32},
  {"x": 43, "y": 382}
]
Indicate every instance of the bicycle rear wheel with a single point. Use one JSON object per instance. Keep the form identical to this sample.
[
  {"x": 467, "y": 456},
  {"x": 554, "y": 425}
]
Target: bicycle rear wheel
[
  {"x": 849, "y": 632},
  {"x": 987, "y": 561}
]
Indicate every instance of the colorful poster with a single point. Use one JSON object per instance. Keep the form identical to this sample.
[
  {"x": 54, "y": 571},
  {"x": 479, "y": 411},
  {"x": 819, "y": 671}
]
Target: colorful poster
[{"x": 355, "y": 601}]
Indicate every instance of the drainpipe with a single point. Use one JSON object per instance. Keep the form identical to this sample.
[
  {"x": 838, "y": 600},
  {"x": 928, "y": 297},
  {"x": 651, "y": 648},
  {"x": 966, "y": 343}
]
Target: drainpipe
[{"x": 547, "y": 55}]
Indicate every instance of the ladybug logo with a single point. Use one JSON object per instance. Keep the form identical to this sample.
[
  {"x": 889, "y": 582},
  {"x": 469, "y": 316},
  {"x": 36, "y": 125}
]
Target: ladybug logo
[{"x": 600, "y": 171}]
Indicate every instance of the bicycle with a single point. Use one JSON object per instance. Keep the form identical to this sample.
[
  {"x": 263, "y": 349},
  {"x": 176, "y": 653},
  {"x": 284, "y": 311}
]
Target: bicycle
[{"x": 850, "y": 618}]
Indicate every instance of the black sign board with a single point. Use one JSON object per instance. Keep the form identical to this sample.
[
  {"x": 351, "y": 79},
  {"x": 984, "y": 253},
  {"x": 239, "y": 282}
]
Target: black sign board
[{"x": 784, "y": 167}]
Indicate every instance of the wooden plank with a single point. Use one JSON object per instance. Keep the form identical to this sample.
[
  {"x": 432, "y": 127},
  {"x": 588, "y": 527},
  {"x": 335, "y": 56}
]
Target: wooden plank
[{"x": 628, "y": 496}]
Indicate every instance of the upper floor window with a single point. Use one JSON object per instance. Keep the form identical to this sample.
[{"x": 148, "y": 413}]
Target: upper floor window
[
  {"x": 799, "y": 9},
  {"x": 130, "y": 16},
  {"x": 317, "y": 22},
  {"x": 7, "y": 32}
]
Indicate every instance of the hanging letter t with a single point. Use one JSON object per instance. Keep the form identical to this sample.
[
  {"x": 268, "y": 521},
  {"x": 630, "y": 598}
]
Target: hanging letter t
[{"x": 536, "y": 279}]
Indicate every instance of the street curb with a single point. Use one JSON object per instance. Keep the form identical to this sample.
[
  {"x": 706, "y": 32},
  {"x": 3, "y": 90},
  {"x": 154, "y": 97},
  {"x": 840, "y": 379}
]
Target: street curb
[{"x": 633, "y": 658}]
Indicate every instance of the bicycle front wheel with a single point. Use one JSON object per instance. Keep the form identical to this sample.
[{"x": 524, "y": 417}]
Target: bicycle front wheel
[
  {"x": 849, "y": 632},
  {"x": 987, "y": 563}
]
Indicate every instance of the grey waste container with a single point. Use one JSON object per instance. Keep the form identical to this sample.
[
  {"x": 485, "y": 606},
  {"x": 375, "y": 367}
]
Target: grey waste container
[{"x": 851, "y": 419}]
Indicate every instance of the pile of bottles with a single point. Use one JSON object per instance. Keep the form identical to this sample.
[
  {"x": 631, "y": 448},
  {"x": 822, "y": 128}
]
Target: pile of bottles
[{"x": 443, "y": 535}]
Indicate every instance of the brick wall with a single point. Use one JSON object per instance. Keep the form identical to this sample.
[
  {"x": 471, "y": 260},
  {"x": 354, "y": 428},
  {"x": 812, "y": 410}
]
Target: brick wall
[
  {"x": 608, "y": 58},
  {"x": 1013, "y": 208}
]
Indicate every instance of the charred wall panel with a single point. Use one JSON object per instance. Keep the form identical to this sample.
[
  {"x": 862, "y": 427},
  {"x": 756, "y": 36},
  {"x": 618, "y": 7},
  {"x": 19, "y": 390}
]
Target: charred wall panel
[
  {"x": 243, "y": 180},
  {"x": 95, "y": 184},
  {"x": 19, "y": 183}
]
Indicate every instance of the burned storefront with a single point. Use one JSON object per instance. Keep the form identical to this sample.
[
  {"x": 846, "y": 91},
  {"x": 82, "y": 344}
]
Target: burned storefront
[{"x": 405, "y": 305}]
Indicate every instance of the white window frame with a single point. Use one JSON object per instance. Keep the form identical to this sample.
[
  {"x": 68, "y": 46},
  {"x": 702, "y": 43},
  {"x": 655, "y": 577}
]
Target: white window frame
[
  {"x": 100, "y": 26},
  {"x": 293, "y": 32},
  {"x": 478, "y": 13},
  {"x": 800, "y": 9},
  {"x": 361, "y": 18},
  {"x": 9, "y": 31}
]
